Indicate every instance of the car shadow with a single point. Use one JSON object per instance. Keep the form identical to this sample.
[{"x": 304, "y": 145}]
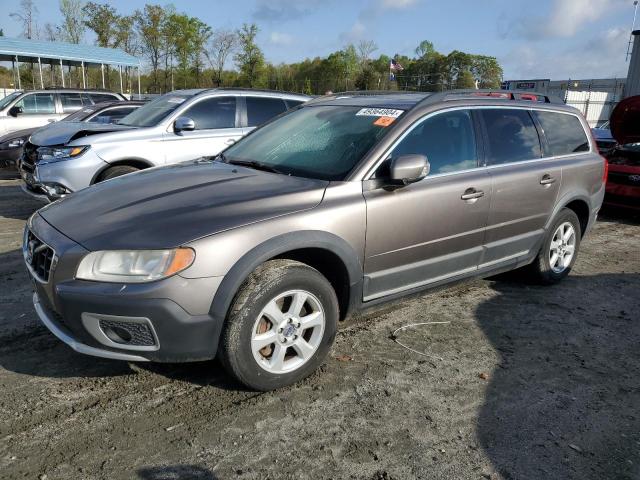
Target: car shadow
[
  {"x": 16, "y": 204},
  {"x": 625, "y": 216},
  {"x": 176, "y": 472},
  {"x": 564, "y": 400}
]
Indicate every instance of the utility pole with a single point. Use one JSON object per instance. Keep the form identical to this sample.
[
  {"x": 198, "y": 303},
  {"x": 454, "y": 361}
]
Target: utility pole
[{"x": 633, "y": 27}]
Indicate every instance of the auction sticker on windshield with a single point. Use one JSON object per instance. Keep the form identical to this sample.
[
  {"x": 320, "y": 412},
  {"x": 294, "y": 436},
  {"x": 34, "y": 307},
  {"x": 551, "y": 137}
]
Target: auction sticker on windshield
[{"x": 380, "y": 112}]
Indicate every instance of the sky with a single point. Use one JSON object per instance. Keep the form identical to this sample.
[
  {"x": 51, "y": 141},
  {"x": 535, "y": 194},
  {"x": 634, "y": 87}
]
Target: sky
[{"x": 556, "y": 39}]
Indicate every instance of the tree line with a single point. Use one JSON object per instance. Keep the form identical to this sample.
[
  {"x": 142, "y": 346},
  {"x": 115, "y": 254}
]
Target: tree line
[{"x": 181, "y": 51}]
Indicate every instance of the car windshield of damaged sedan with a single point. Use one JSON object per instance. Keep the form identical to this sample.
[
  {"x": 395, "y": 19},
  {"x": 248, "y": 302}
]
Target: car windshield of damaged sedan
[{"x": 322, "y": 142}]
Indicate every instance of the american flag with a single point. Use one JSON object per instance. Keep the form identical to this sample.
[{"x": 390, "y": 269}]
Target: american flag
[{"x": 394, "y": 65}]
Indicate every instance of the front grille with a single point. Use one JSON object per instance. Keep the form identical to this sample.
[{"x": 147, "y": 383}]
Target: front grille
[
  {"x": 128, "y": 333},
  {"x": 29, "y": 158},
  {"x": 38, "y": 256},
  {"x": 632, "y": 179}
]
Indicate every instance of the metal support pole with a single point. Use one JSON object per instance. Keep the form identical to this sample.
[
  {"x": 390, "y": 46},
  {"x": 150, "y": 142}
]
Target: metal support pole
[
  {"x": 102, "y": 69},
  {"x": 139, "y": 94},
  {"x": 18, "y": 70},
  {"x": 62, "y": 73},
  {"x": 40, "y": 68},
  {"x": 84, "y": 84},
  {"x": 120, "y": 71}
]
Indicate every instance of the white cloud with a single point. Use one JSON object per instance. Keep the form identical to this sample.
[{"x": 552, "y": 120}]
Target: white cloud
[
  {"x": 370, "y": 14},
  {"x": 601, "y": 56},
  {"x": 396, "y": 4},
  {"x": 280, "y": 39},
  {"x": 564, "y": 19}
]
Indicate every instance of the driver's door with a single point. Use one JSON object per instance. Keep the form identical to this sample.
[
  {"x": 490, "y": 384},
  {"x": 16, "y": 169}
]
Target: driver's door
[
  {"x": 432, "y": 230},
  {"x": 38, "y": 109},
  {"x": 216, "y": 127}
]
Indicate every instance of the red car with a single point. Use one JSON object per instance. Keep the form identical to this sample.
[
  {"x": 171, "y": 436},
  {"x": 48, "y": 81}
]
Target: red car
[{"x": 623, "y": 184}]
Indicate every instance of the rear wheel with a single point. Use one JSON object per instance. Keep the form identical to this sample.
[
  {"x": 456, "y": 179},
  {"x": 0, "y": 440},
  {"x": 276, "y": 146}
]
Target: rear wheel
[
  {"x": 281, "y": 325},
  {"x": 116, "y": 171},
  {"x": 559, "y": 249}
]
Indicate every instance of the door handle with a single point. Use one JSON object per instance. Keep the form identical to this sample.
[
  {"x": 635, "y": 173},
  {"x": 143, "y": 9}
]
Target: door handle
[
  {"x": 547, "y": 179},
  {"x": 471, "y": 194},
  {"x": 231, "y": 141}
]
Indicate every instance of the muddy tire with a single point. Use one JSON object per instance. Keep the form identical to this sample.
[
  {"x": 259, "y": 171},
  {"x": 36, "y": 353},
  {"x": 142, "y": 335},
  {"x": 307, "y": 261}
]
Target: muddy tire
[
  {"x": 116, "y": 171},
  {"x": 559, "y": 249},
  {"x": 280, "y": 326}
]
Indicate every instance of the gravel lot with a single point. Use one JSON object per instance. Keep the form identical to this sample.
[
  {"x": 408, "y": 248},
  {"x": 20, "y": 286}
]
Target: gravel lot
[{"x": 524, "y": 382}]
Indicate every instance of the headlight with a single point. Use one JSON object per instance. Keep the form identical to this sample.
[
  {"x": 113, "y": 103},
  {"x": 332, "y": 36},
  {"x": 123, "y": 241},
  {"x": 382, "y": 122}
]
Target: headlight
[
  {"x": 134, "y": 266},
  {"x": 56, "y": 154},
  {"x": 13, "y": 143}
]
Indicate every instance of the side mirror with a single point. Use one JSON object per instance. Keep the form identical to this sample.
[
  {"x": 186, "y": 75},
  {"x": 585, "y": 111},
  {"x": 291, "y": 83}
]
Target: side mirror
[
  {"x": 407, "y": 169},
  {"x": 184, "y": 124},
  {"x": 15, "y": 111}
]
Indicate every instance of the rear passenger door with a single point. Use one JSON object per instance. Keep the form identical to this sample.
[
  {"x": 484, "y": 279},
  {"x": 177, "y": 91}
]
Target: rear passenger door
[
  {"x": 260, "y": 110},
  {"x": 525, "y": 185},
  {"x": 216, "y": 127}
]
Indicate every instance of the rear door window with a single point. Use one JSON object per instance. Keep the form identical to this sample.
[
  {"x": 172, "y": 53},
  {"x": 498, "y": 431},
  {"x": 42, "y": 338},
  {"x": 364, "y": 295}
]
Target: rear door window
[
  {"x": 37, "y": 103},
  {"x": 564, "y": 133},
  {"x": 71, "y": 102},
  {"x": 214, "y": 112},
  {"x": 103, "y": 97},
  {"x": 262, "y": 109},
  {"x": 512, "y": 135},
  {"x": 447, "y": 139}
]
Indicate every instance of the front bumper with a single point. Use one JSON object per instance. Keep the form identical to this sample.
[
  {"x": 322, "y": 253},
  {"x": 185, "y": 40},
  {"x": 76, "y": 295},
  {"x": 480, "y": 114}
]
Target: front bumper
[
  {"x": 72, "y": 175},
  {"x": 175, "y": 311}
]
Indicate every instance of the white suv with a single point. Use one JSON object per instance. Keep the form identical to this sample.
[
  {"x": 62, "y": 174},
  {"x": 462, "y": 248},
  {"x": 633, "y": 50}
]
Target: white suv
[
  {"x": 20, "y": 110},
  {"x": 181, "y": 125}
]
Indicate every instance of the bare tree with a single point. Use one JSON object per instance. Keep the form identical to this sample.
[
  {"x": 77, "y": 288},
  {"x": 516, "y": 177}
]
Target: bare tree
[
  {"x": 365, "y": 49},
  {"x": 27, "y": 15},
  {"x": 73, "y": 20},
  {"x": 223, "y": 43},
  {"x": 51, "y": 32}
]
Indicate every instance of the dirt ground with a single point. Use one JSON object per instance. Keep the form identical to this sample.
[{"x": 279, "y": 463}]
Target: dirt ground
[{"x": 525, "y": 382}]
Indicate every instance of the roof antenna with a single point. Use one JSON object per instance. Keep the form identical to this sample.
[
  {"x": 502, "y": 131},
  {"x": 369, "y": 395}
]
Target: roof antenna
[{"x": 633, "y": 27}]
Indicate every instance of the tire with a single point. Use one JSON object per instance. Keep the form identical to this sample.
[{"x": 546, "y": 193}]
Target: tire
[
  {"x": 261, "y": 346},
  {"x": 117, "y": 171},
  {"x": 542, "y": 269}
]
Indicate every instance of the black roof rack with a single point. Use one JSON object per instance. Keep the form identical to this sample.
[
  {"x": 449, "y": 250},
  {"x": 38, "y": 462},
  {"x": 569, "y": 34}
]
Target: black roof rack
[
  {"x": 258, "y": 90},
  {"x": 493, "y": 94}
]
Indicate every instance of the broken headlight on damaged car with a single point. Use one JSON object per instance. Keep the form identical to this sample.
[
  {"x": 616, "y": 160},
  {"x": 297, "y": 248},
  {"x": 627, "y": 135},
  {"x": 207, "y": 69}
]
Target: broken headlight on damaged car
[
  {"x": 134, "y": 266},
  {"x": 57, "y": 154}
]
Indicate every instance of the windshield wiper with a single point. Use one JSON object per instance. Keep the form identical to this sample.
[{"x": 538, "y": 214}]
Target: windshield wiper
[{"x": 252, "y": 164}]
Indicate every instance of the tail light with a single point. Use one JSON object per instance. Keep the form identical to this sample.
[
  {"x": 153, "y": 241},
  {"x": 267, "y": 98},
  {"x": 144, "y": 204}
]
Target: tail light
[{"x": 605, "y": 172}]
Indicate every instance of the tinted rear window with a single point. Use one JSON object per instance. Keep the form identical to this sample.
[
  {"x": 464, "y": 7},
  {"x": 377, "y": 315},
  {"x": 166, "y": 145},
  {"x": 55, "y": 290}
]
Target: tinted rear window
[
  {"x": 261, "y": 109},
  {"x": 564, "y": 133},
  {"x": 512, "y": 136}
]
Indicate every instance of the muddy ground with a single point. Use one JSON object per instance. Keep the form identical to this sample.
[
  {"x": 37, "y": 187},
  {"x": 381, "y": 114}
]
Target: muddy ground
[{"x": 525, "y": 382}]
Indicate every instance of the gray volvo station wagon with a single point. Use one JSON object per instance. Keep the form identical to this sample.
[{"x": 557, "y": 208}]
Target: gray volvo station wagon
[{"x": 350, "y": 200}]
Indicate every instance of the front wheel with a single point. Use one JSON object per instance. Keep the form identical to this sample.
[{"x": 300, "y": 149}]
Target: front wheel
[
  {"x": 281, "y": 325},
  {"x": 116, "y": 171},
  {"x": 559, "y": 249}
]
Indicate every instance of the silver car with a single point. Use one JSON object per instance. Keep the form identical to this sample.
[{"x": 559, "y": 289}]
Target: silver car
[
  {"x": 28, "y": 109},
  {"x": 181, "y": 125},
  {"x": 344, "y": 203}
]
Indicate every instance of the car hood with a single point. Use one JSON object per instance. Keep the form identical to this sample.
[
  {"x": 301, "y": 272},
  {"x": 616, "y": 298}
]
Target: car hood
[
  {"x": 170, "y": 206},
  {"x": 61, "y": 133},
  {"x": 17, "y": 134},
  {"x": 625, "y": 121}
]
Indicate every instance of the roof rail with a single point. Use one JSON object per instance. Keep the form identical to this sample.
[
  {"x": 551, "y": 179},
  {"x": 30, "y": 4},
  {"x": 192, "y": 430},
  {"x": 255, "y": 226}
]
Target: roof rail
[
  {"x": 516, "y": 95},
  {"x": 258, "y": 90}
]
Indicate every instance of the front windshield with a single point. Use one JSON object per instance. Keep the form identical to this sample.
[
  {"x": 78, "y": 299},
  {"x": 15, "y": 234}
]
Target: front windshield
[
  {"x": 323, "y": 142},
  {"x": 154, "y": 112},
  {"x": 8, "y": 99}
]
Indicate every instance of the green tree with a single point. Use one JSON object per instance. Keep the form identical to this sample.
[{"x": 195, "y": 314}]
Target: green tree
[
  {"x": 102, "y": 19},
  {"x": 149, "y": 24},
  {"x": 73, "y": 26},
  {"x": 249, "y": 58}
]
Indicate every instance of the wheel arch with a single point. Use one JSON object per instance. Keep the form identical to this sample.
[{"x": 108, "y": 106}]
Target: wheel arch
[
  {"x": 580, "y": 205},
  {"x": 329, "y": 254},
  {"x": 139, "y": 163}
]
